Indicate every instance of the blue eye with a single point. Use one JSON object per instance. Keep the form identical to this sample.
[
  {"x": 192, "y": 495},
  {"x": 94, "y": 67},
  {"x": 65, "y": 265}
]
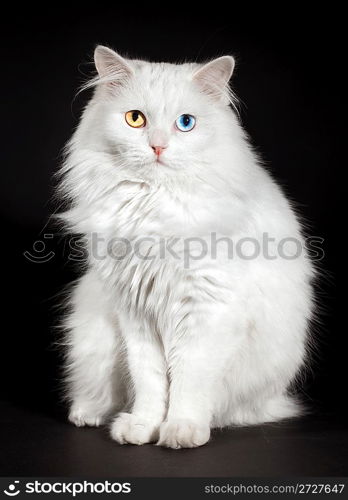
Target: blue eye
[{"x": 185, "y": 123}]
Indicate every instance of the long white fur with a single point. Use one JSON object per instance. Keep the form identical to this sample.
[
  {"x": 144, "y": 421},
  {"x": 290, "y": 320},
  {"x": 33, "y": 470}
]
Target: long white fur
[{"x": 180, "y": 349}]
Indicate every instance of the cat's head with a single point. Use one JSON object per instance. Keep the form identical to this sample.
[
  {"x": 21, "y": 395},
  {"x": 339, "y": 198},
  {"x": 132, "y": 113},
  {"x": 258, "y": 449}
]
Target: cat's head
[{"x": 154, "y": 117}]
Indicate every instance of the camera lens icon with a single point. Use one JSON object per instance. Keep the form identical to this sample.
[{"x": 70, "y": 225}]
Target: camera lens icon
[
  {"x": 39, "y": 252},
  {"x": 12, "y": 489}
]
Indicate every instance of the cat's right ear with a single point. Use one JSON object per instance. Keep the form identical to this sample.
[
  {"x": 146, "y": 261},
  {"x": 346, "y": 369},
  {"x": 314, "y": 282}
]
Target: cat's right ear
[
  {"x": 112, "y": 68},
  {"x": 213, "y": 77}
]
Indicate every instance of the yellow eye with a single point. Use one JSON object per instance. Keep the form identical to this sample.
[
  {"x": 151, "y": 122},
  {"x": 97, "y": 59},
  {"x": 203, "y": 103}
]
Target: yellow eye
[{"x": 135, "y": 118}]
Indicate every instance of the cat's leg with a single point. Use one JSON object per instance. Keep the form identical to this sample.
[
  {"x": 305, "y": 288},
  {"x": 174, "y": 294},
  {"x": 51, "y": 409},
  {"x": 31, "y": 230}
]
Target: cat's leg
[
  {"x": 148, "y": 372},
  {"x": 94, "y": 384},
  {"x": 202, "y": 348}
]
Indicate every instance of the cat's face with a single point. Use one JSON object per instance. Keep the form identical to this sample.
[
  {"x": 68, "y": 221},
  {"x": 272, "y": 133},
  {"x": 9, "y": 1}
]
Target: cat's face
[{"x": 159, "y": 116}]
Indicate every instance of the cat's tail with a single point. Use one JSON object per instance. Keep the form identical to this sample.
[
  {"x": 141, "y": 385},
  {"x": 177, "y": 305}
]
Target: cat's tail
[{"x": 273, "y": 409}]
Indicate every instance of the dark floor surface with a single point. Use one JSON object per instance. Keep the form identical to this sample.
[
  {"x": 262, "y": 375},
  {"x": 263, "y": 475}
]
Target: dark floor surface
[{"x": 35, "y": 443}]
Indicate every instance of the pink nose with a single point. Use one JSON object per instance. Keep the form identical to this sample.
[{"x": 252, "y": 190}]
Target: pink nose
[{"x": 158, "y": 150}]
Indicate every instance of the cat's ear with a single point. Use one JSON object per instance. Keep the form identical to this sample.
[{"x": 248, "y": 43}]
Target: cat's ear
[
  {"x": 213, "y": 77},
  {"x": 112, "y": 68}
]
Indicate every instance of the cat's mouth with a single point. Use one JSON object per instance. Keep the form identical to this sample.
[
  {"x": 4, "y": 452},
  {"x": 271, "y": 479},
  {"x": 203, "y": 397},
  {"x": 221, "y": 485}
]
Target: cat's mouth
[{"x": 160, "y": 161}]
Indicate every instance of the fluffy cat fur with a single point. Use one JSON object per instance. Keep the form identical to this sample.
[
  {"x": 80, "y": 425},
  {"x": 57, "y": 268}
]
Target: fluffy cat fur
[{"x": 166, "y": 349}]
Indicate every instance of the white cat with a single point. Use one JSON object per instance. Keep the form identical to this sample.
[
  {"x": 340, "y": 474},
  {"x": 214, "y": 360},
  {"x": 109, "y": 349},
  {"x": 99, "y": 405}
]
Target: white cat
[{"x": 166, "y": 324}]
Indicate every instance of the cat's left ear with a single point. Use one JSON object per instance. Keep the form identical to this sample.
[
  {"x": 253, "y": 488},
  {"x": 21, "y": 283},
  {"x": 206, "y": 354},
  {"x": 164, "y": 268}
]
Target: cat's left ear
[
  {"x": 214, "y": 76},
  {"x": 112, "y": 68}
]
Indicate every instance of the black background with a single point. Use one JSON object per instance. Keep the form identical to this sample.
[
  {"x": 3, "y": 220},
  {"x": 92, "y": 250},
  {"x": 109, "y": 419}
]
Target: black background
[{"x": 290, "y": 67}]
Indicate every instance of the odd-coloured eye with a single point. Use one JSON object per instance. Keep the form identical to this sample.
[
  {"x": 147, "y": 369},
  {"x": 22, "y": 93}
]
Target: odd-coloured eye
[
  {"x": 135, "y": 118},
  {"x": 185, "y": 123}
]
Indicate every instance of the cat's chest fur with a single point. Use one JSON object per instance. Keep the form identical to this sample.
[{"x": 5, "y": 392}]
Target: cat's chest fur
[
  {"x": 149, "y": 263},
  {"x": 142, "y": 210}
]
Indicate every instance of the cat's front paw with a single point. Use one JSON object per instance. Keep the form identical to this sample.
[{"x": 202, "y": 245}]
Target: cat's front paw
[
  {"x": 80, "y": 418},
  {"x": 128, "y": 428},
  {"x": 183, "y": 434}
]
